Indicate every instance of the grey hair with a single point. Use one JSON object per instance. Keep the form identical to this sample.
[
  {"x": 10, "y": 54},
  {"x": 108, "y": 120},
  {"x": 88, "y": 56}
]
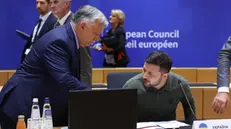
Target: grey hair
[{"x": 89, "y": 14}]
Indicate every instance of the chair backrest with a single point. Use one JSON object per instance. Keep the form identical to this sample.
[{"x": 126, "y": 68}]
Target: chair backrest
[{"x": 116, "y": 80}]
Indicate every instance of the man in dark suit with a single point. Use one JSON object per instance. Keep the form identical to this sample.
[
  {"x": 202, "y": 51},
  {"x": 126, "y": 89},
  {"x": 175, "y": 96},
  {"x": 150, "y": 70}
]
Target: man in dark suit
[
  {"x": 61, "y": 9},
  {"x": 51, "y": 69},
  {"x": 45, "y": 23},
  {"x": 222, "y": 99}
]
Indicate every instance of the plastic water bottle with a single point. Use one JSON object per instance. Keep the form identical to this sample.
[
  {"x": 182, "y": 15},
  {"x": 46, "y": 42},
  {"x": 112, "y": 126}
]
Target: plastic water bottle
[
  {"x": 35, "y": 115},
  {"x": 47, "y": 122},
  {"x": 28, "y": 123}
]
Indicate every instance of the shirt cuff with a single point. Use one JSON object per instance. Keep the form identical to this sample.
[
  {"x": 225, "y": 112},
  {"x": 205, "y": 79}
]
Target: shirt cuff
[{"x": 223, "y": 89}]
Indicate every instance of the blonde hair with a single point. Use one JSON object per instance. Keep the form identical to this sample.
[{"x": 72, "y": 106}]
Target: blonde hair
[{"x": 119, "y": 14}]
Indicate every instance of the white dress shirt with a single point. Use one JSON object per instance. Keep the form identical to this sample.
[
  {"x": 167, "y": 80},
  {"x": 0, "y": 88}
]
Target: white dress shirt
[
  {"x": 63, "y": 19},
  {"x": 44, "y": 18}
]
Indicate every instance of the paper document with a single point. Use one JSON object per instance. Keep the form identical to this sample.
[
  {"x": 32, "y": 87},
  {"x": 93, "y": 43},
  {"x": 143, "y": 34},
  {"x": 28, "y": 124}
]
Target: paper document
[
  {"x": 153, "y": 128},
  {"x": 145, "y": 124},
  {"x": 171, "y": 124},
  {"x": 158, "y": 125}
]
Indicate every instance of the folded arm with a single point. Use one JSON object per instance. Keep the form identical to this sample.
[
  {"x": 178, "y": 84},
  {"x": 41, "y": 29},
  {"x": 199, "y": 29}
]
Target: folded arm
[{"x": 116, "y": 41}]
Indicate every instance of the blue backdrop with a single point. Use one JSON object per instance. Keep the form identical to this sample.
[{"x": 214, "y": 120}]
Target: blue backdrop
[{"x": 191, "y": 31}]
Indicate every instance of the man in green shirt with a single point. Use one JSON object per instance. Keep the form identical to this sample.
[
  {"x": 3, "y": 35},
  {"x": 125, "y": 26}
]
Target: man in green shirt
[{"x": 160, "y": 91}]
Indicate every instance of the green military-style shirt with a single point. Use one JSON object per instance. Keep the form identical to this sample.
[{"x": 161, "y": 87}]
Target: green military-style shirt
[{"x": 160, "y": 105}]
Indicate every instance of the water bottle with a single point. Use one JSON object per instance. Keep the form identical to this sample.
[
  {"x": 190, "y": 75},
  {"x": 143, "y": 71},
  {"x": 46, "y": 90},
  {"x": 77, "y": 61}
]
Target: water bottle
[
  {"x": 35, "y": 115},
  {"x": 47, "y": 122}
]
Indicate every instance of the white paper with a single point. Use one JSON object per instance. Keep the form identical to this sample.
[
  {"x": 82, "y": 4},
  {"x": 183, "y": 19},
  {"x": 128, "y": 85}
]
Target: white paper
[
  {"x": 145, "y": 124},
  {"x": 154, "y": 128},
  {"x": 171, "y": 124}
]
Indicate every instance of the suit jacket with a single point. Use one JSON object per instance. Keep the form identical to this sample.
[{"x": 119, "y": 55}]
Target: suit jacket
[
  {"x": 47, "y": 26},
  {"x": 50, "y": 69},
  {"x": 117, "y": 41},
  {"x": 224, "y": 59},
  {"x": 68, "y": 20},
  {"x": 86, "y": 63}
]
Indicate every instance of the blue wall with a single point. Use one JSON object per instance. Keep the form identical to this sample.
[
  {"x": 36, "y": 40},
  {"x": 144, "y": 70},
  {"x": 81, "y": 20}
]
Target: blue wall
[{"x": 203, "y": 26}]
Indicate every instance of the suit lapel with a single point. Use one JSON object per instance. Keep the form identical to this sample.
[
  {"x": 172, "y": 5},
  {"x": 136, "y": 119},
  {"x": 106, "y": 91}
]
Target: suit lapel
[
  {"x": 46, "y": 25},
  {"x": 75, "y": 53},
  {"x": 68, "y": 19}
]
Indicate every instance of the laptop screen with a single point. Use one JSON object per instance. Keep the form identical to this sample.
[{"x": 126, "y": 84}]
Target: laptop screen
[{"x": 103, "y": 109}]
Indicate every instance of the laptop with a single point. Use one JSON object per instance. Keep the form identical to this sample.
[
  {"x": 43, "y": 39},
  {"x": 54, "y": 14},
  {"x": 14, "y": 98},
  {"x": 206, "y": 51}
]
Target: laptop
[{"x": 103, "y": 109}]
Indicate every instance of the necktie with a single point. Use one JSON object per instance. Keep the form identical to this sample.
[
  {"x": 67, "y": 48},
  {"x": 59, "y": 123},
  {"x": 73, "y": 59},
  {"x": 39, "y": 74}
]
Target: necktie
[
  {"x": 57, "y": 24},
  {"x": 37, "y": 29}
]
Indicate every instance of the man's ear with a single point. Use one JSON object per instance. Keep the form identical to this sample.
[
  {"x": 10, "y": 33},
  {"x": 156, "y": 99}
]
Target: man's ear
[
  {"x": 165, "y": 75},
  {"x": 68, "y": 2},
  {"x": 82, "y": 25}
]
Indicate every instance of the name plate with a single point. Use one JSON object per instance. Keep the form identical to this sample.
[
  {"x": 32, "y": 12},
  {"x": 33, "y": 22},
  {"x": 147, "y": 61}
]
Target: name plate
[{"x": 212, "y": 124}]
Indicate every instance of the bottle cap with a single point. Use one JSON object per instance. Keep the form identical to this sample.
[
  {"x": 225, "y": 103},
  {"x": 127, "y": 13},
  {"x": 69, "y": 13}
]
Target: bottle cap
[
  {"x": 21, "y": 117},
  {"x": 35, "y": 100},
  {"x": 46, "y": 100}
]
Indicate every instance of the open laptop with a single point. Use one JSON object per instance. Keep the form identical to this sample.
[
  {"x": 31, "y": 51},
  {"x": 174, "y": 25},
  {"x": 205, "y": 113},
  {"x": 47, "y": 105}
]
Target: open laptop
[{"x": 103, "y": 109}]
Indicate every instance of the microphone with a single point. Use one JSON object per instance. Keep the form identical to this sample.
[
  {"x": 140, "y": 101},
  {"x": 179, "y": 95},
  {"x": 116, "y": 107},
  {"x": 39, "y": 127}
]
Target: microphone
[{"x": 190, "y": 106}]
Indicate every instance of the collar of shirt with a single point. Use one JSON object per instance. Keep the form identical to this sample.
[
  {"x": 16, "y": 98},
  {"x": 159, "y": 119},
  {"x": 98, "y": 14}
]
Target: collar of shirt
[
  {"x": 168, "y": 86},
  {"x": 44, "y": 18},
  {"x": 76, "y": 38},
  {"x": 63, "y": 19}
]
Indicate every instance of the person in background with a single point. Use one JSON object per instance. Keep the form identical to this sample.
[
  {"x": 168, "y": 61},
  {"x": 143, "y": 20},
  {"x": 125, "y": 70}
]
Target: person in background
[
  {"x": 44, "y": 24},
  {"x": 222, "y": 99},
  {"x": 160, "y": 91},
  {"x": 61, "y": 10},
  {"x": 51, "y": 69},
  {"x": 113, "y": 43}
]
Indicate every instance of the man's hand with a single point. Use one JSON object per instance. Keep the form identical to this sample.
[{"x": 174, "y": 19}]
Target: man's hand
[{"x": 220, "y": 102}]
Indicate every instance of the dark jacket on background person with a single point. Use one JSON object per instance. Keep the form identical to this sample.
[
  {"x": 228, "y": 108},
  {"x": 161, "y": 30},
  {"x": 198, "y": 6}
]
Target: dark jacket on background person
[{"x": 117, "y": 41}]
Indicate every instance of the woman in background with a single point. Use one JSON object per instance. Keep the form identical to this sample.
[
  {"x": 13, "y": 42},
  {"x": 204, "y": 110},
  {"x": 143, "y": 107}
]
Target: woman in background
[{"x": 113, "y": 43}]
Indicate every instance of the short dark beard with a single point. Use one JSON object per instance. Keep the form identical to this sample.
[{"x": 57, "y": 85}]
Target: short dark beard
[{"x": 157, "y": 82}]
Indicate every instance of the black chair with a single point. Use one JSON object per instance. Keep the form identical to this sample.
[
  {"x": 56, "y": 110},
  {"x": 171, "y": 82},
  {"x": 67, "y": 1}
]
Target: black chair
[
  {"x": 99, "y": 86},
  {"x": 116, "y": 80}
]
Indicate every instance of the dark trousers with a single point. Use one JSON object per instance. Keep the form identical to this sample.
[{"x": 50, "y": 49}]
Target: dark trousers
[{"x": 6, "y": 122}]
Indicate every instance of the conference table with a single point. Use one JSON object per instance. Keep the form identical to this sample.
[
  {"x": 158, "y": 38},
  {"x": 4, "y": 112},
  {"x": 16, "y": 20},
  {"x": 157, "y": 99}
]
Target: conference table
[
  {"x": 203, "y": 94},
  {"x": 186, "y": 127}
]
